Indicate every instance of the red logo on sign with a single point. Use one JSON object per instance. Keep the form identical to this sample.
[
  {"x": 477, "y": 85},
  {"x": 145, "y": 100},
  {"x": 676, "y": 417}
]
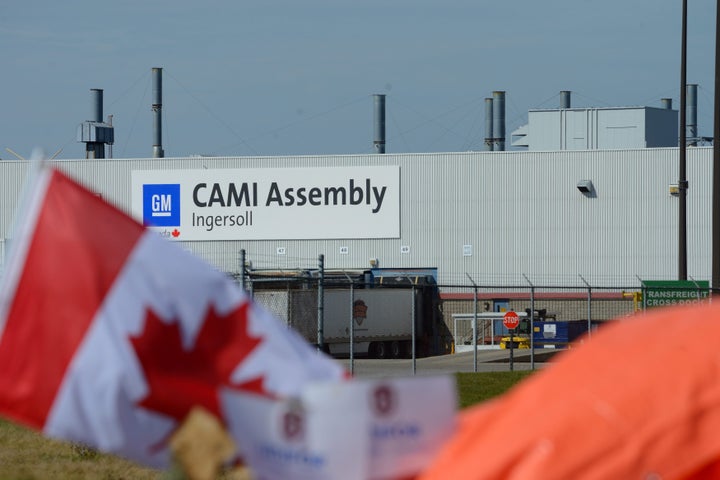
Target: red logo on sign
[
  {"x": 383, "y": 400},
  {"x": 292, "y": 425},
  {"x": 359, "y": 311}
]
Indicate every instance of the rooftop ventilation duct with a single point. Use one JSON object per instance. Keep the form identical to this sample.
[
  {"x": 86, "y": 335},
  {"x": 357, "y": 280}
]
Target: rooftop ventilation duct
[
  {"x": 489, "y": 124},
  {"x": 499, "y": 121},
  {"x": 565, "y": 99},
  {"x": 691, "y": 129},
  {"x": 379, "y": 123},
  {"x": 157, "y": 112},
  {"x": 94, "y": 133}
]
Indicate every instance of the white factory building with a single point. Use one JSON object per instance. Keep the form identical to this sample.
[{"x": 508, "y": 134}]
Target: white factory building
[
  {"x": 591, "y": 200},
  {"x": 608, "y": 216}
]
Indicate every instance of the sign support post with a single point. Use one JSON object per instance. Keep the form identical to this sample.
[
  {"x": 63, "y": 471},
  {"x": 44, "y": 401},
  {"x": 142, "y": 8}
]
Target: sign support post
[{"x": 511, "y": 321}]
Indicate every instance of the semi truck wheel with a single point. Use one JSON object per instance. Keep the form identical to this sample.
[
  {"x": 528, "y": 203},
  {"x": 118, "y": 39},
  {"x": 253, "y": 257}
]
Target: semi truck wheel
[
  {"x": 379, "y": 350},
  {"x": 395, "y": 349}
]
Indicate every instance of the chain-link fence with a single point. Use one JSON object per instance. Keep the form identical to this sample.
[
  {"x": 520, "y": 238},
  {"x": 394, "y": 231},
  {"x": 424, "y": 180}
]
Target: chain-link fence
[
  {"x": 401, "y": 319},
  {"x": 569, "y": 310},
  {"x": 358, "y": 314}
]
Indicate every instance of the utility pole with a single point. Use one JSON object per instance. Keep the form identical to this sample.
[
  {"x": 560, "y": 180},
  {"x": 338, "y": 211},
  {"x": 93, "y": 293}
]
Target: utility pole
[
  {"x": 682, "y": 180},
  {"x": 716, "y": 161}
]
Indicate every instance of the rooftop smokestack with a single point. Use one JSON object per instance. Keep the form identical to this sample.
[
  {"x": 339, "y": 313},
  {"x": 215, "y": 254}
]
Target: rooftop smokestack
[
  {"x": 499, "y": 121},
  {"x": 97, "y": 105},
  {"x": 379, "y": 124},
  {"x": 565, "y": 99},
  {"x": 94, "y": 133},
  {"x": 157, "y": 112},
  {"x": 109, "y": 123},
  {"x": 489, "y": 124},
  {"x": 666, "y": 103},
  {"x": 691, "y": 124}
]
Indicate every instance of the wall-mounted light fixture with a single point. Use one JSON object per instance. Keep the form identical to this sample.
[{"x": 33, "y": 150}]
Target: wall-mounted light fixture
[
  {"x": 586, "y": 187},
  {"x": 374, "y": 262},
  {"x": 674, "y": 189}
]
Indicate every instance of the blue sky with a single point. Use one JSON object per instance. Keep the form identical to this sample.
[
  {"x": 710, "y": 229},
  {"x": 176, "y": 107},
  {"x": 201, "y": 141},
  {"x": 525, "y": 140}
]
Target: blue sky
[{"x": 288, "y": 77}]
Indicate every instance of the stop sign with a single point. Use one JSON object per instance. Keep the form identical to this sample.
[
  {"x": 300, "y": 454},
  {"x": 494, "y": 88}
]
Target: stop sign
[{"x": 511, "y": 320}]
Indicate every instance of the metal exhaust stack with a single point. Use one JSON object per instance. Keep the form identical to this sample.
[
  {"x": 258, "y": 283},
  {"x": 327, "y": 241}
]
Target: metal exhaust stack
[
  {"x": 97, "y": 105},
  {"x": 95, "y": 149},
  {"x": 489, "y": 124},
  {"x": 565, "y": 99},
  {"x": 666, "y": 103},
  {"x": 692, "y": 130},
  {"x": 499, "y": 120},
  {"x": 157, "y": 112},
  {"x": 379, "y": 115},
  {"x": 94, "y": 133},
  {"x": 109, "y": 123}
]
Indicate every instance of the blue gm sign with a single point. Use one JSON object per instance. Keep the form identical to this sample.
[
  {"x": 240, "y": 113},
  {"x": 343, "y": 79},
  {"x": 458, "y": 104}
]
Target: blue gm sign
[{"x": 161, "y": 205}]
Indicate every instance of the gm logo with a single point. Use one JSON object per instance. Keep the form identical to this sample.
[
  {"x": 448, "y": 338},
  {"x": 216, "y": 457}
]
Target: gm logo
[{"x": 161, "y": 205}]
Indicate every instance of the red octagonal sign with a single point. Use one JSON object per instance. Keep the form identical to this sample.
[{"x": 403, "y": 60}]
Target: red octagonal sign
[{"x": 511, "y": 320}]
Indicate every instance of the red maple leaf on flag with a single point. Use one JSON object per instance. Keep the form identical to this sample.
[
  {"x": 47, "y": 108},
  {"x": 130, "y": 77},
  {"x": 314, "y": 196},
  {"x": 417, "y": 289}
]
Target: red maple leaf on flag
[{"x": 180, "y": 378}]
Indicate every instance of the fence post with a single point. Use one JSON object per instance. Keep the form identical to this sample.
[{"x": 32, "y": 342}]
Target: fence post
[
  {"x": 290, "y": 323},
  {"x": 414, "y": 357},
  {"x": 321, "y": 303},
  {"x": 532, "y": 323},
  {"x": 352, "y": 323},
  {"x": 475, "y": 325},
  {"x": 248, "y": 283},
  {"x": 589, "y": 307},
  {"x": 643, "y": 293},
  {"x": 242, "y": 270}
]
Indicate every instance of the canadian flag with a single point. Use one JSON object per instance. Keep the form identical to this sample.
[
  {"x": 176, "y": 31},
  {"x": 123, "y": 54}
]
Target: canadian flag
[{"x": 109, "y": 334}]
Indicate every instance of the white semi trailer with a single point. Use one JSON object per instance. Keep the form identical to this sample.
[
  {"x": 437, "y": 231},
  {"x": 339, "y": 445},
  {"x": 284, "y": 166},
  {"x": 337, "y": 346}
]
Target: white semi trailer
[{"x": 382, "y": 320}]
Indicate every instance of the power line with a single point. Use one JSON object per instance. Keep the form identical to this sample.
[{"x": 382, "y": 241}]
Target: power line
[{"x": 216, "y": 117}]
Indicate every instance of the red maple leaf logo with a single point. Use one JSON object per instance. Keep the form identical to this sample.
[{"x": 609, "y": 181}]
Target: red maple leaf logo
[
  {"x": 175, "y": 233},
  {"x": 180, "y": 379}
]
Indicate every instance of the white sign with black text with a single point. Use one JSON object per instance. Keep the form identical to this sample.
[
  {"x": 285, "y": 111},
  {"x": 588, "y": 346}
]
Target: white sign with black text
[{"x": 269, "y": 203}]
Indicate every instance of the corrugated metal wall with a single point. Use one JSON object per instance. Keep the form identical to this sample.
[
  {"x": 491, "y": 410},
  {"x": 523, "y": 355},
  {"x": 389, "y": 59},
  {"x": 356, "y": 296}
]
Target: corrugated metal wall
[{"x": 495, "y": 216}]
